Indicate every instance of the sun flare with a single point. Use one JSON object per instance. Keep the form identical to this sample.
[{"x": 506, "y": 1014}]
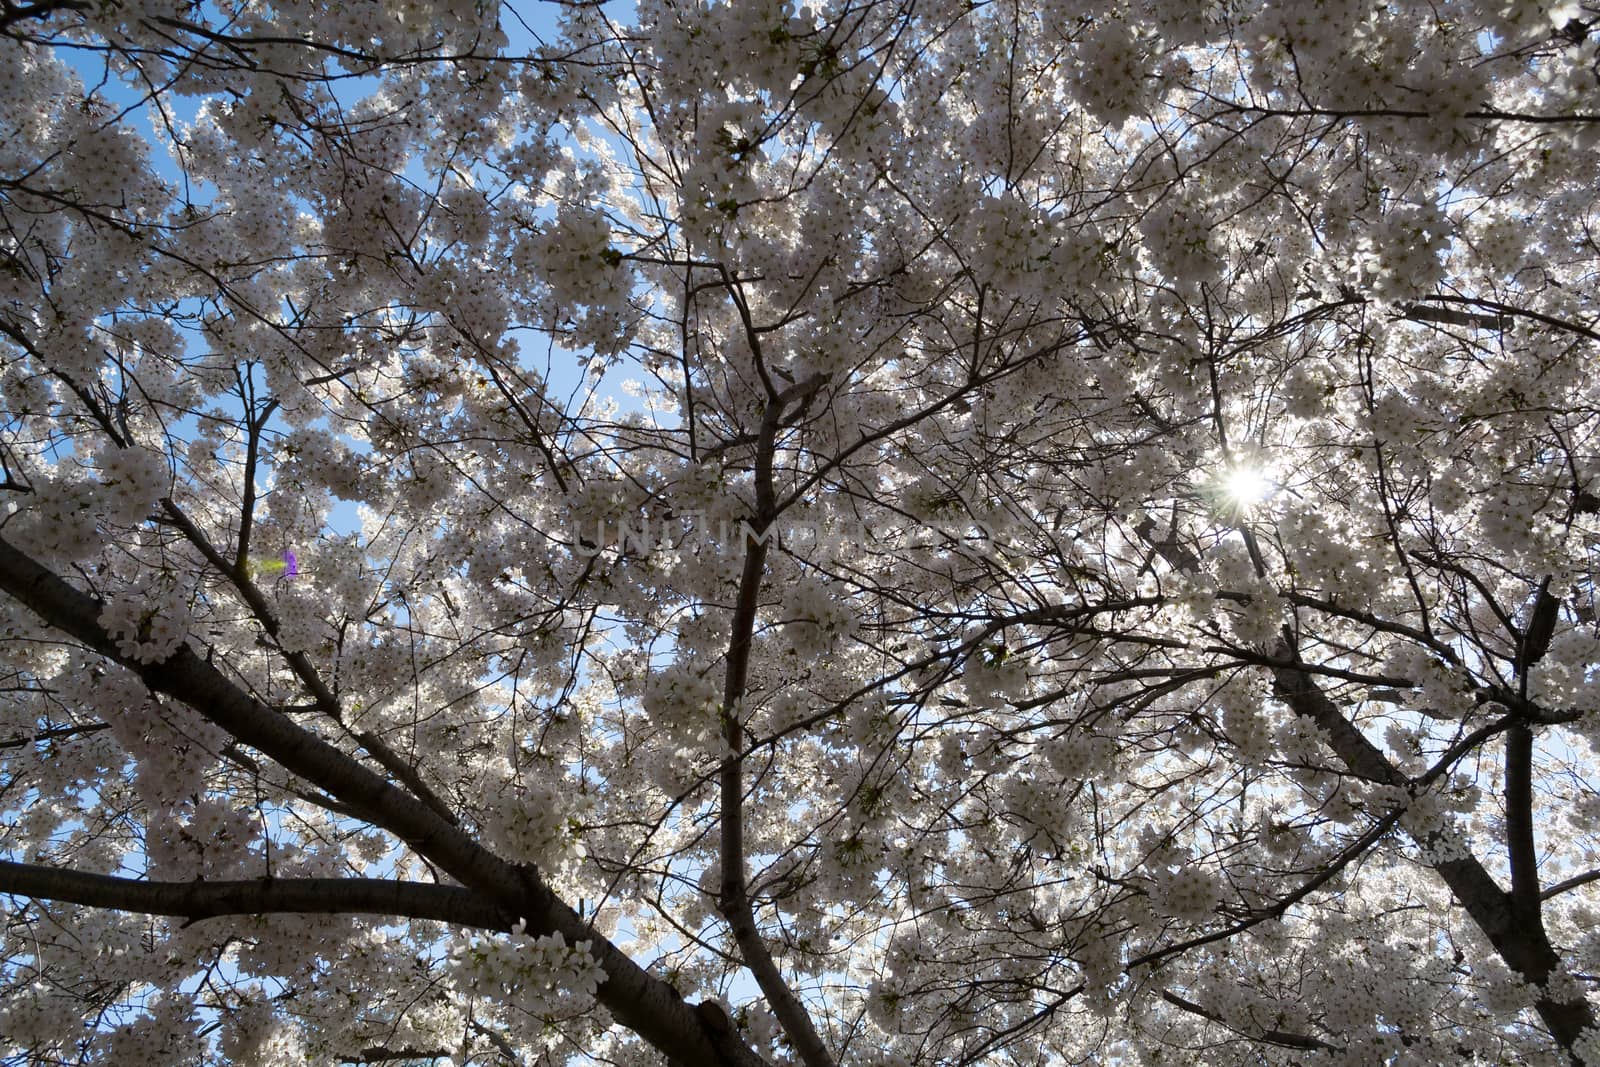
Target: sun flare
[{"x": 1245, "y": 485}]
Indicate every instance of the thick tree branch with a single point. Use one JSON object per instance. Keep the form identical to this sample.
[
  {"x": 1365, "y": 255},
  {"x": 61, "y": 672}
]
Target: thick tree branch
[
  {"x": 12, "y": 13},
  {"x": 1450, "y": 317},
  {"x": 1505, "y": 312},
  {"x": 257, "y": 896},
  {"x": 641, "y": 1002},
  {"x": 1520, "y": 845}
]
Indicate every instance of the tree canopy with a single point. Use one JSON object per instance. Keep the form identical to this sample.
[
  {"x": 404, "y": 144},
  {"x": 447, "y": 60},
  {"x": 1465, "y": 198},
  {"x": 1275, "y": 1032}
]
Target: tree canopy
[{"x": 886, "y": 532}]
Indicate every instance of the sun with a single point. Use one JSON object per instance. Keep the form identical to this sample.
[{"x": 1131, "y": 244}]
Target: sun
[{"x": 1245, "y": 485}]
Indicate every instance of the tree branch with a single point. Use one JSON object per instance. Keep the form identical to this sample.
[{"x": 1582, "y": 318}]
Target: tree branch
[
  {"x": 1282, "y": 1038},
  {"x": 1326, "y": 874},
  {"x": 1506, "y": 311},
  {"x": 646, "y": 1005},
  {"x": 1524, "y": 945},
  {"x": 259, "y": 896},
  {"x": 1520, "y": 845},
  {"x": 1570, "y": 884},
  {"x": 734, "y": 899},
  {"x": 393, "y": 1055},
  {"x": 326, "y": 700},
  {"x": 1423, "y": 313}
]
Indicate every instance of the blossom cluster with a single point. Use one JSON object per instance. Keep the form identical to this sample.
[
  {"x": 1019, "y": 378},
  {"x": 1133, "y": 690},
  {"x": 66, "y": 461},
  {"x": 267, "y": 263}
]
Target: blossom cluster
[
  {"x": 149, "y": 622},
  {"x": 541, "y": 981}
]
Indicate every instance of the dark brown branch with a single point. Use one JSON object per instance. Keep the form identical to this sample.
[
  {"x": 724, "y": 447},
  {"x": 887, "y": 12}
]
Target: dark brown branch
[
  {"x": 1520, "y": 845},
  {"x": 11, "y": 14},
  {"x": 1447, "y": 317},
  {"x": 392, "y": 1055},
  {"x": 261, "y": 896},
  {"x": 1487, "y": 114},
  {"x": 1575, "y": 882},
  {"x": 247, "y": 506},
  {"x": 1506, "y": 311},
  {"x": 53, "y": 734}
]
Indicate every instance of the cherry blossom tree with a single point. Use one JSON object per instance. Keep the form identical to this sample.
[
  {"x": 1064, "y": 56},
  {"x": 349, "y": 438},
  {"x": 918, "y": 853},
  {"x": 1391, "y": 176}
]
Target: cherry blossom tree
[{"x": 877, "y": 533}]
